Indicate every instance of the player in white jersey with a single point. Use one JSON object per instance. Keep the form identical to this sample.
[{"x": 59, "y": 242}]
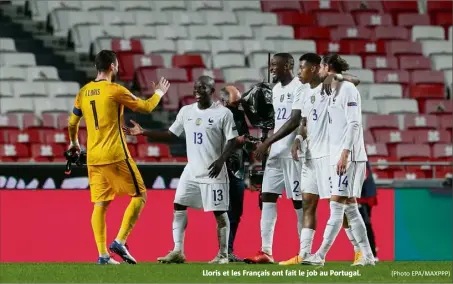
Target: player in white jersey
[
  {"x": 281, "y": 171},
  {"x": 347, "y": 163},
  {"x": 210, "y": 134},
  {"x": 316, "y": 169}
]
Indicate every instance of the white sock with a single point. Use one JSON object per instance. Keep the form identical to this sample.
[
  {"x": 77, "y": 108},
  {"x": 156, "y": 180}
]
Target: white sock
[
  {"x": 179, "y": 227},
  {"x": 300, "y": 215},
  {"x": 358, "y": 229},
  {"x": 306, "y": 241},
  {"x": 352, "y": 239},
  {"x": 223, "y": 232},
  {"x": 268, "y": 219},
  {"x": 333, "y": 227}
]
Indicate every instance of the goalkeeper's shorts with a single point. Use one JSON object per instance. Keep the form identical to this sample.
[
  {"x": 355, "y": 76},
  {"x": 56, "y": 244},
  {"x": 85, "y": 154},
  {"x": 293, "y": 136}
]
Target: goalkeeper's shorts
[{"x": 120, "y": 178}]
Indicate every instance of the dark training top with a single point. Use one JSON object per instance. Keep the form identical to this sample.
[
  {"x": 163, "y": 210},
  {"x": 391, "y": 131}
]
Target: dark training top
[{"x": 236, "y": 162}]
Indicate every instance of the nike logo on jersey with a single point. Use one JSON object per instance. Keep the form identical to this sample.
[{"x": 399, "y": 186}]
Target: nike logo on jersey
[
  {"x": 216, "y": 204},
  {"x": 189, "y": 119}
]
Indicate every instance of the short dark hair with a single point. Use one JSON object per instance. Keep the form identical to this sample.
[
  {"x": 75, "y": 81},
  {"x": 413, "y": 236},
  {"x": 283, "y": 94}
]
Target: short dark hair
[
  {"x": 335, "y": 61},
  {"x": 104, "y": 59},
  {"x": 311, "y": 58},
  {"x": 287, "y": 57},
  {"x": 207, "y": 80}
]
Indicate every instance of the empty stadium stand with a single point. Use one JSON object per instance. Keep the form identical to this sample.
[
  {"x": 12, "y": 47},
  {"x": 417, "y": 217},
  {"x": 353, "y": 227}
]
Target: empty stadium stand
[{"x": 401, "y": 51}]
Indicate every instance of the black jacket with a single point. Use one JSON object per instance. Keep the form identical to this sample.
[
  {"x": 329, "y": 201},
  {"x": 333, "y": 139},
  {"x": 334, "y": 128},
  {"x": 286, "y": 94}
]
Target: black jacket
[{"x": 235, "y": 163}]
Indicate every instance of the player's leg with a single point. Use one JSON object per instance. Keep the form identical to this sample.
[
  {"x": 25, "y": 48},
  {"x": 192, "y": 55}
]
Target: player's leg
[
  {"x": 273, "y": 183},
  {"x": 187, "y": 195},
  {"x": 101, "y": 195},
  {"x": 348, "y": 230},
  {"x": 365, "y": 211},
  {"x": 337, "y": 204},
  {"x": 125, "y": 179},
  {"x": 237, "y": 188},
  {"x": 216, "y": 198},
  {"x": 355, "y": 220}
]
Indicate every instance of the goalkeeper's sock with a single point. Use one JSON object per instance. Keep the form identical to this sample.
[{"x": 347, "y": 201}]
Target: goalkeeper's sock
[
  {"x": 130, "y": 218},
  {"x": 223, "y": 232},
  {"x": 268, "y": 220},
  {"x": 179, "y": 227},
  {"x": 100, "y": 229}
]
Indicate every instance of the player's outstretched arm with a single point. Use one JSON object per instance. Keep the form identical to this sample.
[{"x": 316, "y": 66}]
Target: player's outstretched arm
[
  {"x": 158, "y": 136},
  {"x": 126, "y": 98},
  {"x": 351, "y": 78}
]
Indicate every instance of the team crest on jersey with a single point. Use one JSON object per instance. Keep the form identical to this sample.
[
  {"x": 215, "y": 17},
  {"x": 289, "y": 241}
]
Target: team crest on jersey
[
  {"x": 198, "y": 121},
  {"x": 288, "y": 96},
  {"x": 313, "y": 98},
  {"x": 282, "y": 97}
]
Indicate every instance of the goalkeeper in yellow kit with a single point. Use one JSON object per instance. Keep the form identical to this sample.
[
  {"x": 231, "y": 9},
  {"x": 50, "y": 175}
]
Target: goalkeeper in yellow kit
[{"x": 111, "y": 170}]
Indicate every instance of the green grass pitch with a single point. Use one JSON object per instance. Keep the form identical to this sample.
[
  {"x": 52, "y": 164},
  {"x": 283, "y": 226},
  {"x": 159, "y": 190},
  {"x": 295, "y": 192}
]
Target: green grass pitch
[{"x": 340, "y": 272}]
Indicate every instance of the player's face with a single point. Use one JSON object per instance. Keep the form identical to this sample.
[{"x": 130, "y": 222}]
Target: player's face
[
  {"x": 306, "y": 72},
  {"x": 323, "y": 71},
  {"x": 277, "y": 69},
  {"x": 114, "y": 70},
  {"x": 202, "y": 92}
]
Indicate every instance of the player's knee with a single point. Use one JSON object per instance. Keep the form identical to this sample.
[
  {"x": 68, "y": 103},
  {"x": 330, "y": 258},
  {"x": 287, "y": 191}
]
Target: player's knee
[
  {"x": 339, "y": 199},
  {"x": 345, "y": 221},
  {"x": 103, "y": 203},
  {"x": 143, "y": 195},
  {"x": 221, "y": 218},
  {"x": 297, "y": 204},
  {"x": 179, "y": 207},
  {"x": 351, "y": 212},
  {"x": 269, "y": 197}
]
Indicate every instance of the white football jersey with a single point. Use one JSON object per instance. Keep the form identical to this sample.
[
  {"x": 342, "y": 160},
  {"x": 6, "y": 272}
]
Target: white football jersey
[
  {"x": 285, "y": 100},
  {"x": 315, "y": 107},
  {"x": 345, "y": 124},
  {"x": 207, "y": 132}
]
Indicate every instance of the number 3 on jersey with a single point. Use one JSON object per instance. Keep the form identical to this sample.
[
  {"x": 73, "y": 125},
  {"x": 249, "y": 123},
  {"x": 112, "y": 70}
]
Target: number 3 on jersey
[
  {"x": 315, "y": 115},
  {"x": 197, "y": 138}
]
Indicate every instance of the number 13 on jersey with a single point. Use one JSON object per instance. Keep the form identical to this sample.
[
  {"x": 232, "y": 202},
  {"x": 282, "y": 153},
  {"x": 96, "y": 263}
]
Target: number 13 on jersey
[{"x": 197, "y": 138}]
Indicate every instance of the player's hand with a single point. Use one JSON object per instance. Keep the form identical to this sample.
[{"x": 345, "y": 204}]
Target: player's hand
[
  {"x": 327, "y": 84},
  {"x": 342, "y": 163},
  {"x": 261, "y": 150},
  {"x": 252, "y": 187},
  {"x": 295, "y": 149},
  {"x": 133, "y": 131},
  {"x": 215, "y": 168},
  {"x": 74, "y": 148},
  {"x": 163, "y": 85}
]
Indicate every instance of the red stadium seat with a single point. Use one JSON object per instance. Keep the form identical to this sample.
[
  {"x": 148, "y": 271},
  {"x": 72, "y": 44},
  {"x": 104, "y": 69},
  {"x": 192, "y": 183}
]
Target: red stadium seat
[
  {"x": 313, "y": 33},
  {"x": 419, "y": 121},
  {"x": 56, "y": 137},
  {"x": 391, "y": 33},
  {"x": 427, "y": 77},
  {"x": 136, "y": 140},
  {"x": 439, "y": 107},
  {"x": 185, "y": 89},
  {"x": 187, "y": 100},
  {"x": 401, "y": 47},
  {"x": 362, "y": 6},
  {"x": 9, "y": 121},
  {"x": 438, "y": 6},
  {"x": 62, "y": 121},
  {"x": 278, "y": 6},
  {"x": 83, "y": 136},
  {"x": 148, "y": 61},
  {"x": 382, "y": 174},
  {"x": 368, "y": 137},
  {"x": 132, "y": 150},
  {"x": 442, "y": 151},
  {"x": 295, "y": 19},
  {"x": 187, "y": 61},
  {"x": 413, "y": 152},
  {"x": 49, "y": 120},
  {"x": 367, "y": 19},
  {"x": 431, "y": 136},
  {"x": 46, "y": 152},
  {"x": 382, "y": 166},
  {"x": 153, "y": 151},
  {"x": 330, "y": 19},
  {"x": 377, "y": 122},
  {"x": 394, "y": 136},
  {"x": 381, "y": 62},
  {"x": 400, "y": 6},
  {"x": 446, "y": 122},
  {"x": 377, "y": 151},
  {"x": 409, "y": 175},
  {"x": 325, "y": 46},
  {"x": 13, "y": 152},
  {"x": 126, "y": 66},
  {"x": 367, "y": 47},
  {"x": 409, "y": 20},
  {"x": 351, "y": 33},
  {"x": 216, "y": 74},
  {"x": 414, "y": 62},
  {"x": 30, "y": 120},
  {"x": 127, "y": 45},
  {"x": 171, "y": 100},
  {"x": 320, "y": 6},
  {"x": 425, "y": 92},
  {"x": 146, "y": 76},
  {"x": 395, "y": 76},
  {"x": 26, "y": 137},
  {"x": 443, "y": 19}
]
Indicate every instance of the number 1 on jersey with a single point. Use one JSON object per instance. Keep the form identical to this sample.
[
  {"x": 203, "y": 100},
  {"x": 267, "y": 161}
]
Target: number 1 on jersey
[{"x": 95, "y": 114}]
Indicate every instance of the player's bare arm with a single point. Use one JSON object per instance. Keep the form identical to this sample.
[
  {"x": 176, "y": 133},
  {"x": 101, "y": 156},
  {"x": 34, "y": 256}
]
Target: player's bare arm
[
  {"x": 137, "y": 130},
  {"x": 301, "y": 136},
  {"x": 289, "y": 126},
  {"x": 73, "y": 129},
  {"x": 333, "y": 78},
  {"x": 216, "y": 167}
]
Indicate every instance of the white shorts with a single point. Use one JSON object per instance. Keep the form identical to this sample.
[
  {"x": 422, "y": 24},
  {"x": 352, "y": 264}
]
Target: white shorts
[
  {"x": 350, "y": 184},
  {"x": 209, "y": 196},
  {"x": 281, "y": 174},
  {"x": 316, "y": 176}
]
